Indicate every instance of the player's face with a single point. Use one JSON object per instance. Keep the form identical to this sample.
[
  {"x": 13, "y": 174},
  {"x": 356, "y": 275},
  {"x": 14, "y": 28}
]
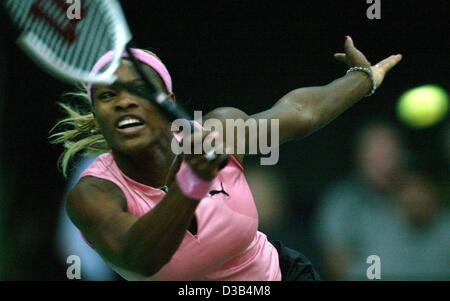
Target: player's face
[{"x": 129, "y": 124}]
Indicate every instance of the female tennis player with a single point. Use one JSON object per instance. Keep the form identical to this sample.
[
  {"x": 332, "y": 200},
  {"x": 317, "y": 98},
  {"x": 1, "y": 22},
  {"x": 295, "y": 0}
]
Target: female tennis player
[{"x": 152, "y": 215}]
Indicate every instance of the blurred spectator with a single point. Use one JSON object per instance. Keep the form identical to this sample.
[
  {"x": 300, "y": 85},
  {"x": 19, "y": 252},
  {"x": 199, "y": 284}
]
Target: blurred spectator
[
  {"x": 70, "y": 242},
  {"x": 418, "y": 200},
  {"x": 423, "y": 245},
  {"x": 380, "y": 210}
]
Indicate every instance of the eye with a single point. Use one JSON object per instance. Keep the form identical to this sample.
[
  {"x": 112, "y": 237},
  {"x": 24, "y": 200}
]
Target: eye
[
  {"x": 140, "y": 87},
  {"x": 107, "y": 95}
]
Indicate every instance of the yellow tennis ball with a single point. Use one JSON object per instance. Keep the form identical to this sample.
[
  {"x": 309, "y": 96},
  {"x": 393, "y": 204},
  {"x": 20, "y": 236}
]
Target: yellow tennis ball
[{"x": 423, "y": 106}]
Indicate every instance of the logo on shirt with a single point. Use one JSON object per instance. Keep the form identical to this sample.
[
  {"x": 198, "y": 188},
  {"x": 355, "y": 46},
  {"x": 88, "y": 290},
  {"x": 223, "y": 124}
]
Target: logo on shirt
[{"x": 214, "y": 192}]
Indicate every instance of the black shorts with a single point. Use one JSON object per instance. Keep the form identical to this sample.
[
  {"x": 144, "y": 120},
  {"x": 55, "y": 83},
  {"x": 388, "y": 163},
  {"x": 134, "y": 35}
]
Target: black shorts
[{"x": 294, "y": 265}]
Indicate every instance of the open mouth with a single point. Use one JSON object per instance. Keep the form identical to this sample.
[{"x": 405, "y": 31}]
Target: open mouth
[{"x": 129, "y": 124}]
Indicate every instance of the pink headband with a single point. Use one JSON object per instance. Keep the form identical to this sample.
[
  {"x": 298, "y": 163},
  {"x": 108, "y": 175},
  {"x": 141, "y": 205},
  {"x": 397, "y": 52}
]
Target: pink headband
[{"x": 141, "y": 56}]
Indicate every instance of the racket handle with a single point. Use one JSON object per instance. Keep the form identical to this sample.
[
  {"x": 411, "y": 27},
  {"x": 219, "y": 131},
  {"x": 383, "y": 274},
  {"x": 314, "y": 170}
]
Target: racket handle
[{"x": 171, "y": 110}]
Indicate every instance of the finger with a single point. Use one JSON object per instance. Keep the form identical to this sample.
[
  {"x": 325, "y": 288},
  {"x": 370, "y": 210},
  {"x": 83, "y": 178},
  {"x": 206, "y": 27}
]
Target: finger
[
  {"x": 341, "y": 57},
  {"x": 349, "y": 46},
  {"x": 210, "y": 155},
  {"x": 348, "y": 43},
  {"x": 213, "y": 152},
  {"x": 388, "y": 63},
  {"x": 221, "y": 156},
  {"x": 204, "y": 170},
  {"x": 210, "y": 166},
  {"x": 354, "y": 55}
]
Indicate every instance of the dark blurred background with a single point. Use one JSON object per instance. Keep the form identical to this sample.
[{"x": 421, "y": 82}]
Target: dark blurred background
[{"x": 245, "y": 54}]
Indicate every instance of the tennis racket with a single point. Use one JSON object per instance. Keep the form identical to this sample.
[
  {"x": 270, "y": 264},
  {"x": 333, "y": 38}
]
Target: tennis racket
[{"x": 68, "y": 48}]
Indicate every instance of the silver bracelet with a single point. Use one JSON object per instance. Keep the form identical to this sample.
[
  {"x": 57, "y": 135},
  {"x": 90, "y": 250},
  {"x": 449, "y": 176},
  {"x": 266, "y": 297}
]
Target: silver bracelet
[{"x": 369, "y": 73}]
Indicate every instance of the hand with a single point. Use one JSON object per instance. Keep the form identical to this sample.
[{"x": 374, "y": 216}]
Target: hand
[
  {"x": 203, "y": 166},
  {"x": 353, "y": 57}
]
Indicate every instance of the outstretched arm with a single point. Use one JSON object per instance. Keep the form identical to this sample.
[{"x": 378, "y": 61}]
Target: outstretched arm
[{"x": 305, "y": 110}]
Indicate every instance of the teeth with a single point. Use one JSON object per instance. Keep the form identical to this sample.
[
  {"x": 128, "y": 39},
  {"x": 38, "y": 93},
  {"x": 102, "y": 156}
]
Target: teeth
[{"x": 128, "y": 121}]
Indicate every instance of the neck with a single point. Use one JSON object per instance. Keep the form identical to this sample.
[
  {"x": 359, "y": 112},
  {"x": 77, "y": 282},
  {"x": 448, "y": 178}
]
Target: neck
[{"x": 149, "y": 167}]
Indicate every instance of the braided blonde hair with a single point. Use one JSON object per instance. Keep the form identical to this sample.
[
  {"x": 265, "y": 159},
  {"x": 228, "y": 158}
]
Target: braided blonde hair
[{"x": 77, "y": 132}]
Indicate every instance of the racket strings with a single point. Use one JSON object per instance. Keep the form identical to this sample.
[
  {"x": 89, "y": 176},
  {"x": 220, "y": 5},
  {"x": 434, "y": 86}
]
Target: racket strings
[
  {"x": 68, "y": 49},
  {"x": 67, "y": 45}
]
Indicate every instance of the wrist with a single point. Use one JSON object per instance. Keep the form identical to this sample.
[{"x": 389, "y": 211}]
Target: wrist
[
  {"x": 190, "y": 184},
  {"x": 369, "y": 73}
]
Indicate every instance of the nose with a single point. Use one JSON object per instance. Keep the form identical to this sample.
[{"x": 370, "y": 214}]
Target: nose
[{"x": 125, "y": 101}]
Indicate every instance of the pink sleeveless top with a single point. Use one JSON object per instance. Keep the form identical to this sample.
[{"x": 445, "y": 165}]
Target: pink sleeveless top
[{"x": 227, "y": 246}]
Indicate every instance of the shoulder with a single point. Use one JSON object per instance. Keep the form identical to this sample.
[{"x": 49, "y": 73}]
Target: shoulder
[
  {"x": 91, "y": 198},
  {"x": 223, "y": 113},
  {"x": 89, "y": 185}
]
